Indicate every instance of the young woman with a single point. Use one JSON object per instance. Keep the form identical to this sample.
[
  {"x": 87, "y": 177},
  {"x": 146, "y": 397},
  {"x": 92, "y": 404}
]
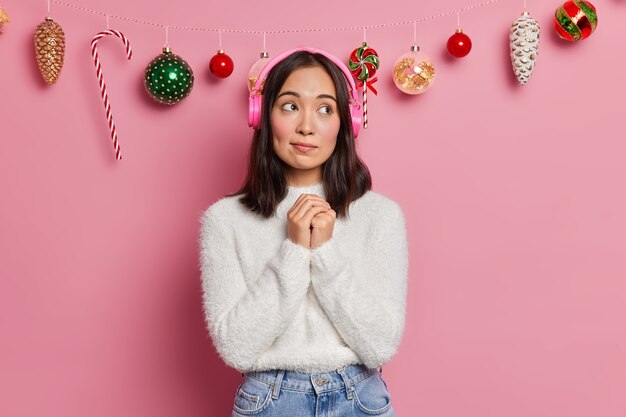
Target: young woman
[{"x": 304, "y": 269}]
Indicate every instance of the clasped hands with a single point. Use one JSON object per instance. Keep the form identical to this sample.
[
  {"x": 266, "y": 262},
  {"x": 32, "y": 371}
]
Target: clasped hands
[{"x": 310, "y": 221}]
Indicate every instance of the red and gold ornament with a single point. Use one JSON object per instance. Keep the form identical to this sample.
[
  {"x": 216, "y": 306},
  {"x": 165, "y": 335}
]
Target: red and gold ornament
[
  {"x": 459, "y": 44},
  {"x": 575, "y": 20},
  {"x": 221, "y": 65}
]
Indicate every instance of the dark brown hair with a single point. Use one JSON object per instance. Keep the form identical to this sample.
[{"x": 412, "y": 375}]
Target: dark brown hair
[{"x": 344, "y": 176}]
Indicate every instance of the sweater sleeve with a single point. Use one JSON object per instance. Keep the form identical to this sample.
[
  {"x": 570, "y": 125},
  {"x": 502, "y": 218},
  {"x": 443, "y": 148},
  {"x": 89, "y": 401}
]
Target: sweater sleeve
[
  {"x": 245, "y": 314},
  {"x": 367, "y": 307}
]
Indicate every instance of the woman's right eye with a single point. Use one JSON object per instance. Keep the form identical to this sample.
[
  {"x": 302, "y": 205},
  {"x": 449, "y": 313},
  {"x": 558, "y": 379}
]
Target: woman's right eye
[{"x": 289, "y": 107}]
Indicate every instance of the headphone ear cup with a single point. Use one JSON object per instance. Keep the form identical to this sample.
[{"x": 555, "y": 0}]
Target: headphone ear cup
[
  {"x": 254, "y": 111},
  {"x": 357, "y": 119}
]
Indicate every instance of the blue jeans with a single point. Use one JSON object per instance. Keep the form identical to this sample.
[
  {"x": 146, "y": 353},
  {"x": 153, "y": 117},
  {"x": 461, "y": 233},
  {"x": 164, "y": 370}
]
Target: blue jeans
[{"x": 353, "y": 390}]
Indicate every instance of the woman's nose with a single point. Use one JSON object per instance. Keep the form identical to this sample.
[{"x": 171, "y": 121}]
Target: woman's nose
[{"x": 305, "y": 124}]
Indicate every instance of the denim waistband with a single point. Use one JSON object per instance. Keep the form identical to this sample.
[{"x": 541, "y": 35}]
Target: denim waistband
[{"x": 345, "y": 376}]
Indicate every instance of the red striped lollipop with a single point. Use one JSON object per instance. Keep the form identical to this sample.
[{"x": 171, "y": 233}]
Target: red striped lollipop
[{"x": 363, "y": 64}]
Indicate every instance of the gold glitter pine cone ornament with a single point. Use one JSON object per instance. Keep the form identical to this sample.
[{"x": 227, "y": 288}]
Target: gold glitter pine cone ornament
[
  {"x": 50, "y": 49},
  {"x": 4, "y": 18}
]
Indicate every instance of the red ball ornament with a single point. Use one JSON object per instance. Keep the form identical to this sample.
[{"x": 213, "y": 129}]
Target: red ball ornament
[
  {"x": 575, "y": 20},
  {"x": 221, "y": 65},
  {"x": 459, "y": 44}
]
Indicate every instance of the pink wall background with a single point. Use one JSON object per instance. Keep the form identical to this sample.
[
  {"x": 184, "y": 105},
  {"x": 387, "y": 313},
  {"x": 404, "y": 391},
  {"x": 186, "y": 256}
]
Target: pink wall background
[{"x": 513, "y": 197}]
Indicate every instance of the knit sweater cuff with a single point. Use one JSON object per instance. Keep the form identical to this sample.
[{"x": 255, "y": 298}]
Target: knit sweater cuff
[
  {"x": 327, "y": 260},
  {"x": 292, "y": 261}
]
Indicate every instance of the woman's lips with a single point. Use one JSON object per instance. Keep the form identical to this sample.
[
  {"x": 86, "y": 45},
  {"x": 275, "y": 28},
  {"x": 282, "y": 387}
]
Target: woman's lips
[{"x": 303, "y": 148}]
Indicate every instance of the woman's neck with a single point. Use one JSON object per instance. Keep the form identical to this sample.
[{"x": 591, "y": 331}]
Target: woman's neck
[{"x": 304, "y": 178}]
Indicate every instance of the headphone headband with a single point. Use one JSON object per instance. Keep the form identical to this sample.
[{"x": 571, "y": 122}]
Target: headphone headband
[
  {"x": 255, "y": 99},
  {"x": 278, "y": 58}
]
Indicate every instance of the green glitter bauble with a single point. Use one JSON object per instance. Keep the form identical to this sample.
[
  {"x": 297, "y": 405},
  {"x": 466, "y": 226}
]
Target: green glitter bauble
[{"x": 168, "y": 78}]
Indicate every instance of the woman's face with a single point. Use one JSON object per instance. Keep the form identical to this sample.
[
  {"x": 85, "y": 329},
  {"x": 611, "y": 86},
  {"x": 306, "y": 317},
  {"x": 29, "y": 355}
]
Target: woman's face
[{"x": 305, "y": 112}]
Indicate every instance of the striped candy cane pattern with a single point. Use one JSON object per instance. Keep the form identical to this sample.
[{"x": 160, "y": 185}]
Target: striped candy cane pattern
[
  {"x": 103, "y": 88},
  {"x": 367, "y": 84},
  {"x": 364, "y": 106}
]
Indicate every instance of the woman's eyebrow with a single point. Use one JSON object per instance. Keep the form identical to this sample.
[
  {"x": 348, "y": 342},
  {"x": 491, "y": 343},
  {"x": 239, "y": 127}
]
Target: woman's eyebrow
[{"x": 293, "y": 93}]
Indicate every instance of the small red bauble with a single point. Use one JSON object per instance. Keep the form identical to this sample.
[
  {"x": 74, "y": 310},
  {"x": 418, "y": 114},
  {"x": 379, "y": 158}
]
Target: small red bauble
[
  {"x": 221, "y": 65},
  {"x": 459, "y": 44}
]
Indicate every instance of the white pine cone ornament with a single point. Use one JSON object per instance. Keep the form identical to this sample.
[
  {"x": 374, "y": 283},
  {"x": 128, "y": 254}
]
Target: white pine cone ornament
[
  {"x": 50, "y": 49},
  {"x": 524, "y": 39}
]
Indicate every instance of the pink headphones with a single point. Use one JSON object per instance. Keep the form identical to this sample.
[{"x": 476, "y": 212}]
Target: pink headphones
[{"x": 254, "y": 112}]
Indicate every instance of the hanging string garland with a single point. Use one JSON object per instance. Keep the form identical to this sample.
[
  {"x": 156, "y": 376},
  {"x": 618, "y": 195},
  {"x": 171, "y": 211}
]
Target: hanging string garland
[
  {"x": 50, "y": 49},
  {"x": 581, "y": 14},
  {"x": 524, "y": 45},
  {"x": 4, "y": 19},
  {"x": 103, "y": 88},
  {"x": 221, "y": 65},
  {"x": 575, "y": 20},
  {"x": 413, "y": 73}
]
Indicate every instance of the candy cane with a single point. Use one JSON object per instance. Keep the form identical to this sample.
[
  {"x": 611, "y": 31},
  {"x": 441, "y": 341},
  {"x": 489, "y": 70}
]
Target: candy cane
[{"x": 103, "y": 88}]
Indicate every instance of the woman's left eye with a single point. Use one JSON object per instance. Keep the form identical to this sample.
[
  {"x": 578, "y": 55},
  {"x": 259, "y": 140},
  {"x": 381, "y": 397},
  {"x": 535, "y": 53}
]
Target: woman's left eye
[{"x": 328, "y": 109}]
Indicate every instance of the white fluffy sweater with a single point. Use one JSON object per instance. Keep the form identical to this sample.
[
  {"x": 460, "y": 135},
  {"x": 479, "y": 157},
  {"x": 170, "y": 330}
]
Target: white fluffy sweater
[{"x": 270, "y": 303}]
